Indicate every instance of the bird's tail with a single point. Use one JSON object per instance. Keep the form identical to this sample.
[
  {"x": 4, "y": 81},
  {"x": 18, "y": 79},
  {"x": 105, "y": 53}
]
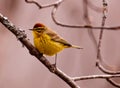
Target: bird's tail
[{"x": 77, "y": 47}]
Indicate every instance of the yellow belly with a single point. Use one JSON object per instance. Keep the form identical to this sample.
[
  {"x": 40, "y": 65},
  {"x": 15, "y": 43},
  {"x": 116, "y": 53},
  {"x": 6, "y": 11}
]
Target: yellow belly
[{"x": 46, "y": 46}]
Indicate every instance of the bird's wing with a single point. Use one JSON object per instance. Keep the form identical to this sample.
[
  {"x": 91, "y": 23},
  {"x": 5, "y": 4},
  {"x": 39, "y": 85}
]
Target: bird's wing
[{"x": 57, "y": 38}]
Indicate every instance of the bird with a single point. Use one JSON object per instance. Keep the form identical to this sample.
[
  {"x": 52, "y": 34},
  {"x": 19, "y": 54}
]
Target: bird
[{"x": 47, "y": 41}]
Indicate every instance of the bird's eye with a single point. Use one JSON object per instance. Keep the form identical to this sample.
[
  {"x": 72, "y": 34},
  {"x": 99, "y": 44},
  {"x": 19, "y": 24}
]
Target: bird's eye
[{"x": 39, "y": 29}]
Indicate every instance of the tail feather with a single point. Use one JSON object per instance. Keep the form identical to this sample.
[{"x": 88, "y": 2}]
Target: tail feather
[{"x": 77, "y": 47}]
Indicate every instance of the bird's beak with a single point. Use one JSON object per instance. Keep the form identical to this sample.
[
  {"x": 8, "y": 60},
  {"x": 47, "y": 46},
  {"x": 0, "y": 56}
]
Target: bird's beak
[{"x": 30, "y": 29}]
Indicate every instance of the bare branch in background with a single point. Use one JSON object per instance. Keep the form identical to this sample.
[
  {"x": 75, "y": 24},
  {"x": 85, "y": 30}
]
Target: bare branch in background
[
  {"x": 44, "y": 6},
  {"x": 112, "y": 72},
  {"x": 113, "y": 83},
  {"x": 100, "y": 41},
  {"x": 55, "y": 6},
  {"x": 99, "y": 58},
  {"x": 102, "y": 30},
  {"x": 95, "y": 77}
]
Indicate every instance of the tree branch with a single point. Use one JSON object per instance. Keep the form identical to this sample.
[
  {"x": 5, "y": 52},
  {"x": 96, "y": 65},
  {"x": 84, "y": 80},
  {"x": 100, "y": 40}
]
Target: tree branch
[
  {"x": 95, "y": 77},
  {"x": 33, "y": 51},
  {"x": 44, "y": 6}
]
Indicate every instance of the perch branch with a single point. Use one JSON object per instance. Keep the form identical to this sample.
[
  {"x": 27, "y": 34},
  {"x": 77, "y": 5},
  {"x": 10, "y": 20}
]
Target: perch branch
[{"x": 23, "y": 39}]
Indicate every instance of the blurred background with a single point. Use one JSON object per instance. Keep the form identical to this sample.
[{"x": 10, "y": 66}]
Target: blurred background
[{"x": 18, "y": 69}]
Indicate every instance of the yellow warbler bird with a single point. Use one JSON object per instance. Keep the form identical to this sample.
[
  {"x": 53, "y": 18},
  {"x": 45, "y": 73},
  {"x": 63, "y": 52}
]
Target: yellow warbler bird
[{"x": 47, "y": 41}]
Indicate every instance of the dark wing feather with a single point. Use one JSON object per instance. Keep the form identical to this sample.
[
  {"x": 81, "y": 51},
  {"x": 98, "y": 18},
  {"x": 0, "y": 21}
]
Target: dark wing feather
[{"x": 57, "y": 38}]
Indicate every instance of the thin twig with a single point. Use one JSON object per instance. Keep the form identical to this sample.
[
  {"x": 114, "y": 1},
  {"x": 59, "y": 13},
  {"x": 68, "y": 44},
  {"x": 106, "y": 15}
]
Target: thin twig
[
  {"x": 95, "y": 77},
  {"x": 113, "y": 82},
  {"x": 99, "y": 56},
  {"x": 102, "y": 30},
  {"x": 44, "y": 6},
  {"x": 105, "y": 70}
]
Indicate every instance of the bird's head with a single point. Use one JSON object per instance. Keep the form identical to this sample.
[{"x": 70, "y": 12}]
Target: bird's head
[{"x": 38, "y": 28}]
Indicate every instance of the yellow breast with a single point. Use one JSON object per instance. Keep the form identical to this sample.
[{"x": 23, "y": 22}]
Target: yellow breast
[{"x": 47, "y": 46}]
